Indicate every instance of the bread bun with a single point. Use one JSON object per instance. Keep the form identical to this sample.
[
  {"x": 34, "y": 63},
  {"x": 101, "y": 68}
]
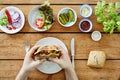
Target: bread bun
[{"x": 96, "y": 59}]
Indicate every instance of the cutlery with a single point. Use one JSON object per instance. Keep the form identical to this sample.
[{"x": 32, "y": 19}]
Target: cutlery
[
  {"x": 72, "y": 51},
  {"x": 27, "y": 46}
]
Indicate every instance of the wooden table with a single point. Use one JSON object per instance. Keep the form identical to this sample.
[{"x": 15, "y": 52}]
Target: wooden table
[{"x": 12, "y": 50}]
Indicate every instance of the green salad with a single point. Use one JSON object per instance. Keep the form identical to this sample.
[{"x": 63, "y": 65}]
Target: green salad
[
  {"x": 46, "y": 13},
  {"x": 108, "y": 15}
]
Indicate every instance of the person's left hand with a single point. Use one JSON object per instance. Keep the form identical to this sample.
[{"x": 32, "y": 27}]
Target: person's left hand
[{"x": 29, "y": 63}]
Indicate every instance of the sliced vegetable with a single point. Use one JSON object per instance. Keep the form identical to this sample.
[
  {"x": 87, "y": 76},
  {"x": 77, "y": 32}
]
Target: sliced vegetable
[
  {"x": 15, "y": 17},
  {"x": 71, "y": 15},
  {"x": 61, "y": 20},
  {"x": 39, "y": 23},
  {"x": 16, "y": 25},
  {"x": 50, "y": 51},
  {"x": 10, "y": 27},
  {"x": 66, "y": 16},
  {"x": 8, "y": 17}
]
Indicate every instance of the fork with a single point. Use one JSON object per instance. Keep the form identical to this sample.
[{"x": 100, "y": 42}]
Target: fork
[{"x": 27, "y": 46}]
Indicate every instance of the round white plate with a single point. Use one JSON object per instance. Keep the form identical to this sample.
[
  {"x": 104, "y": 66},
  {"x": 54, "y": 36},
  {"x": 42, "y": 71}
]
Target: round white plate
[
  {"x": 50, "y": 67},
  {"x": 32, "y": 16},
  {"x": 11, "y": 9}
]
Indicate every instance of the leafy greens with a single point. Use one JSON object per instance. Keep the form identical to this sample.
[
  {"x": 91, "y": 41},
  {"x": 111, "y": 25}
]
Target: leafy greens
[{"x": 108, "y": 15}]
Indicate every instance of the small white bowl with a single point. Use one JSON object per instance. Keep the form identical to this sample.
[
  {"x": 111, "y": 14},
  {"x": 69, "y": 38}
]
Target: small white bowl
[
  {"x": 96, "y": 36},
  {"x": 64, "y": 10},
  {"x": 87, "y": 10},
  {"x": 90, "y": 23}
]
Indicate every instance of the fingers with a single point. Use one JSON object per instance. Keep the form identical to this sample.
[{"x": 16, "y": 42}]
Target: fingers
[
  {"x": 33, "y": 49},
  {"x": 61, "y": 49},
  {"x": 38, "y": 62},
  {"x": 56, "y": 60}
]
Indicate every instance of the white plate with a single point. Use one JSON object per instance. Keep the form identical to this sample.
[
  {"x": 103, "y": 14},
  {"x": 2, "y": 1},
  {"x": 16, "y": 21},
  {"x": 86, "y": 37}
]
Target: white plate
[
  {"x": 11, "y": 9},
  {"x": 50, "y": 67},
  {"x": 32, "y": 16}
]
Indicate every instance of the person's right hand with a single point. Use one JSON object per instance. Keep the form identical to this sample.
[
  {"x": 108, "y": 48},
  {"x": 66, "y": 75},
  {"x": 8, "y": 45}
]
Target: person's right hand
[
  {"x": 29, "y": 63},
  {"x": 64, "y": 60}
]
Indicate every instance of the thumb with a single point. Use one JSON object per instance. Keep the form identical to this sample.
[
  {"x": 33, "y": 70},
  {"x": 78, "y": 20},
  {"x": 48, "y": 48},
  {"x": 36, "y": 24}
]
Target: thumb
[
  {"x": 37, "y": 62},
  {"x": 56, "y": 60}
]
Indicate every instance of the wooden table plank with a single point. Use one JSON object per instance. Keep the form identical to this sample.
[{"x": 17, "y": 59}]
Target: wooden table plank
[
  {"x": 57, "y": 27},
  {"x": 12, "y": 46},
  {"x": 111, "y": 71},
  {"x": 52, "y": 1}
]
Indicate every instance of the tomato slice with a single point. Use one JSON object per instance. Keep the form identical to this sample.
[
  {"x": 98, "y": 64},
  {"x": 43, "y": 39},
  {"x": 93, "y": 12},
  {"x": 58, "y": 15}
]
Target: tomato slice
[
  {"x": 39, "y": 22},
  {"x": 8, "y": 17},
  {"x": 50, "y": 51}
]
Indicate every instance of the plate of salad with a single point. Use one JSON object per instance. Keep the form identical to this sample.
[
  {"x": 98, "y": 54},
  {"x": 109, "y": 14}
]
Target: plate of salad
[
  {"x": 11, "y": 19},
  {"x": 41, "y": 17}
]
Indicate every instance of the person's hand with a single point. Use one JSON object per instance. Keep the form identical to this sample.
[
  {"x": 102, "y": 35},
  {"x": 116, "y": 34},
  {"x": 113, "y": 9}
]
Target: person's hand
[
  {"x": 64, "y": 60},
  {"x": 29, "y": 63}
]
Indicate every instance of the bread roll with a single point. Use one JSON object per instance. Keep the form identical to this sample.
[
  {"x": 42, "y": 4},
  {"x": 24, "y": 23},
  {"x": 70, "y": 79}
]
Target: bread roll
[{"x": 96, "y": 59}]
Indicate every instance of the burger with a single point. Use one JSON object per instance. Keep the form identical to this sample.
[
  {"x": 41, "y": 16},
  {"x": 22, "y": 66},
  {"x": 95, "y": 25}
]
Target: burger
[{"x": 47, "y": 51}]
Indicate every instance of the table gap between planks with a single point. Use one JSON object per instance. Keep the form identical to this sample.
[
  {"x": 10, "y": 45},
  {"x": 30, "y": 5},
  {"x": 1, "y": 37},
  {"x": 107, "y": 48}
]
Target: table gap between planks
[{"x": 12, "y": 46}]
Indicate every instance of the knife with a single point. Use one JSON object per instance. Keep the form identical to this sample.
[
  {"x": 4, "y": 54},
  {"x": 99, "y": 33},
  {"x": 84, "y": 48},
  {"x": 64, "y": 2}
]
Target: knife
[{"x": 72, "y": 51}]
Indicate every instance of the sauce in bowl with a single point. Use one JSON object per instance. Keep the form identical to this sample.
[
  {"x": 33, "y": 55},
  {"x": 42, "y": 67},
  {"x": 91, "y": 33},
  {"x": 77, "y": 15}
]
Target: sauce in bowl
[
  {"x": 85, "y": 10},
  {"x": 85, "y": 25}
]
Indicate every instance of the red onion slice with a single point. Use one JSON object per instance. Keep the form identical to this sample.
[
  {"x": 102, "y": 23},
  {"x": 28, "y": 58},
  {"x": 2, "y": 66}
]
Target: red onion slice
[
  {"x": 16, "y": 16},
  {"x": 16, "y": 25}
]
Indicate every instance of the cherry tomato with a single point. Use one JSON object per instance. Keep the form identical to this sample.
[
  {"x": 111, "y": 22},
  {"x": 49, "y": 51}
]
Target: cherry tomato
[{"x": 39, "y": 23}]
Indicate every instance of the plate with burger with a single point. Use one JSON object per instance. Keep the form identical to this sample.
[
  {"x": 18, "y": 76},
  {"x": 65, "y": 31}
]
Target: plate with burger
[{"x": 48, "y": 49}]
